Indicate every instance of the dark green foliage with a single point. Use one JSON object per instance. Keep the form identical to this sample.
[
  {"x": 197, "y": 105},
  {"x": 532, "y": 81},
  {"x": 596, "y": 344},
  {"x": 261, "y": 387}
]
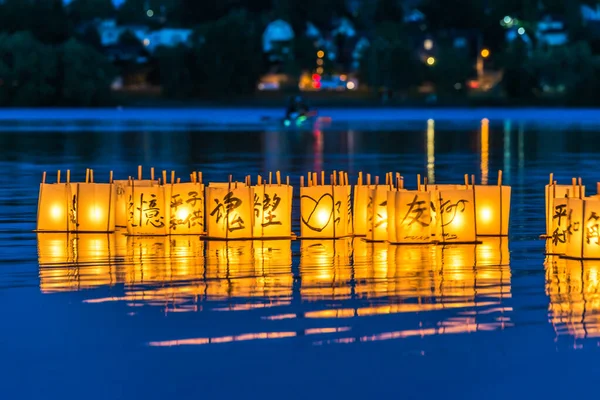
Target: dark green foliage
[
  {"x": 175, "y": 75},
  {"x": 27, "y": 71}
]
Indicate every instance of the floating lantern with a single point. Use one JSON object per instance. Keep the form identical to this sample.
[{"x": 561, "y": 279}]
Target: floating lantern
[
  {"x": 583, "y": 230},
  {"x": 186, "y": 200},
  {"x": 122, "y": 195},
  {"x": 455, "y": 214},
  {"x": 273, "y": 208},
  {"x": 57, "y": 205},
  {"x": 563, "y": 209},
  {"x": 492, "y": 205},
  {"x": 361, "y": 202},
  {"x": 323, "y": 208},
  {"x": 413, "y": 220},
  {"x": 377, "y": 212},
  {"x": 554, "y": 191},
  {"x": 230, "y": 211},
  {"x": 391, "y": 205},
  {"x": 147, "y": 210},
  {"x": 95, "y": 210}
]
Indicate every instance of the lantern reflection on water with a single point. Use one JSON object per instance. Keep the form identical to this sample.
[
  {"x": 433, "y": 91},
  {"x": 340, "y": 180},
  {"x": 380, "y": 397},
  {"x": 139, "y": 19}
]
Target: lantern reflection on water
[
  {"x": 573, "y": 287},
  {"x": 323, "y": 208},
  {"x": 71, "y": 262},
  {"x": 273, "y": 208},
  {"x": 325, "y": 268}
]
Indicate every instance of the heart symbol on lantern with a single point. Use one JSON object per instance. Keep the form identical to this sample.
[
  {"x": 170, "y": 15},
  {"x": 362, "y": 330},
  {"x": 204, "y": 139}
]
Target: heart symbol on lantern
[{"x": 321, "y": 211}]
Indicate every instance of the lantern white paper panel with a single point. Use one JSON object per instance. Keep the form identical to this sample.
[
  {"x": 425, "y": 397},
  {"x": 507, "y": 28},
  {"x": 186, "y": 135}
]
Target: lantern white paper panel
[
  {"x": 558, "y": 191},
  {"x": 96, "y": 207},
  {"x": 147, "y": 211},
  {"x": 273, "y": 211},
  {"x": 413, "y": 217},
  {"x": 230, "y": 212},
  {"x": 56, "y": 207},
  {"x": 560, "y": 225},
  {"x": 377, "y": 214},
  {"x": 492, "y": 210},
  {"x": 186, "y": 208},
  {"x": 583, "y": 235},
  {"x": 360, "y": 210},
  {"x": 456, "y": 216}
]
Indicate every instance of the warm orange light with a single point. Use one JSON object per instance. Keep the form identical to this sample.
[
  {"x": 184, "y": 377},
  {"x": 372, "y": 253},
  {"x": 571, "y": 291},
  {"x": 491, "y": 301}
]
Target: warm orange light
[
  {"x": 320, "y": 54},
  {"x": 486, "y": 215},
  {"x": 182, "y": 213},
  {"x": 320, "y": 70},
  {"x": 56, "y": 212},
  {"x": 485, "y": 53},
  {"x": 343, "y": 78},
  {"x": 96, "y": 213},
  {"x": 320, "y": 61},
  {"x": 350, "y": 85},
  {"x": 430, "y": 60}
]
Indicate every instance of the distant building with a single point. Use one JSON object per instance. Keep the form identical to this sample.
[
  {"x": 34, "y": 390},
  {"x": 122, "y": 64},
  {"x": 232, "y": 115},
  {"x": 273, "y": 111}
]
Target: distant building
[
  {"x": 169, "y": 37},
  {"x": 551, "y": 32},
  {"x": 277, "y": 39},
  {"x": 110, "y": 32}
]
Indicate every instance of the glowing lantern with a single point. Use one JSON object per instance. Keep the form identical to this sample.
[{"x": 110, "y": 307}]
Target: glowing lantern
[
  {"x": 361, "y": 201},
  {"x": 583, "y": 236},
  {"x": 377, "y": 212},
  {"x": 455, "y": 215},
  {"x": 323, "y": 209},
  {"x": 56, "y": 206},
  {"x": 147, "y": 211},
  {"x": 492, "y": 205},
  {"x": 230, "y": 211},
  {"x": 273, "y": 209},
  {"x": 95, "y": 210},
  {"x": 391, "y": 205},
  {"x": 559, "y": 227},
  {"x": 186, "y": 205},
  {"x": 122, "y": 193},
  {"x": 412, "y": 217},
  {"x": 554, "y": 191}
]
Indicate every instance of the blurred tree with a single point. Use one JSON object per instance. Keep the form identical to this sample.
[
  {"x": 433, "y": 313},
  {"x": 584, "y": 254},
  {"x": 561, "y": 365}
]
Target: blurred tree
[
  {"x": 452, "y": 66},
  {"x": 27, "y": 71},
  {"x": 175, "y": 75},
  {"x": 389, "y": 63},
  {"x": 87, "y": 10},
  {"x": 128, "y": 38},
  {"x": 388, "y": 11},
  {"x": 86, "y": 75},
  {"x": 518, "y": 80},
  {"x": 149, "y": 12},
  {"x": 91, "y": 37},
  {"x": 225, "y": 56}
]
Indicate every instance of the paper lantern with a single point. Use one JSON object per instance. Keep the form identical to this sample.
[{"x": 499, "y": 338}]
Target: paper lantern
[
  {"x": 360, "y": 207},
  {"x": 412, "y": 218},
  {"x": 230, "y": 211},
  {"x": 323, "y": 209},
  {"x": 57, "y": 204},
  {"x": 377, "y": 214},
  {"x": 493, "y": 210},
  {"x": 273, "y": 209},
  {"x": 122, "y": 195},
  {"x": 554, "y": 191},
  {"x": 583, "y": 229},
  {"x": 455, "y": 215},
  {"x": 560, "y": 226},
  {"x": 95, "y": 207},
  {"x": 186, "y": 211},
  {"x": 147, "y": 210}
]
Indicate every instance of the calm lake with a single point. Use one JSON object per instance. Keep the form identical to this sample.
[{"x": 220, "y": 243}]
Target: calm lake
[{"x": 111, "y": 317}]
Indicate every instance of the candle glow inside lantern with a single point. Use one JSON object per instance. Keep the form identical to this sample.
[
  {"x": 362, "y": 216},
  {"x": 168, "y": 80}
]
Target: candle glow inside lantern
[
  {"x": 95, "y": 210},
  {"x": 230, "y": 211},
  {"x": 455, "y": 216},
  {"x": 554, "y": 191},
  {"x": 186, "y": 205},
  {"x": 492, "y": 205},
  {"x": 323, "y": 209},
  {"x": 377, "y": 213},
  {"x": 412, "y": 217},
  {"x": 56, "y": 206},
  {"x": 391, "y": 205},
  {"x": 273, "y": 208}
]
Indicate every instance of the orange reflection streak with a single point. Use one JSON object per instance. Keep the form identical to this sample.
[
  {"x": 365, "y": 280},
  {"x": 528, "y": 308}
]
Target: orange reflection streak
[
  {"x": 574, "y": 290},
  {"x": 244, "y": 337}
]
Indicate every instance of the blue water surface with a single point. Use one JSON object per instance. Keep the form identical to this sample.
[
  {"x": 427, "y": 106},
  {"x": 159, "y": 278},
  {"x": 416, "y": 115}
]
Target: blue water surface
[{"x": 112, "y": 317}]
